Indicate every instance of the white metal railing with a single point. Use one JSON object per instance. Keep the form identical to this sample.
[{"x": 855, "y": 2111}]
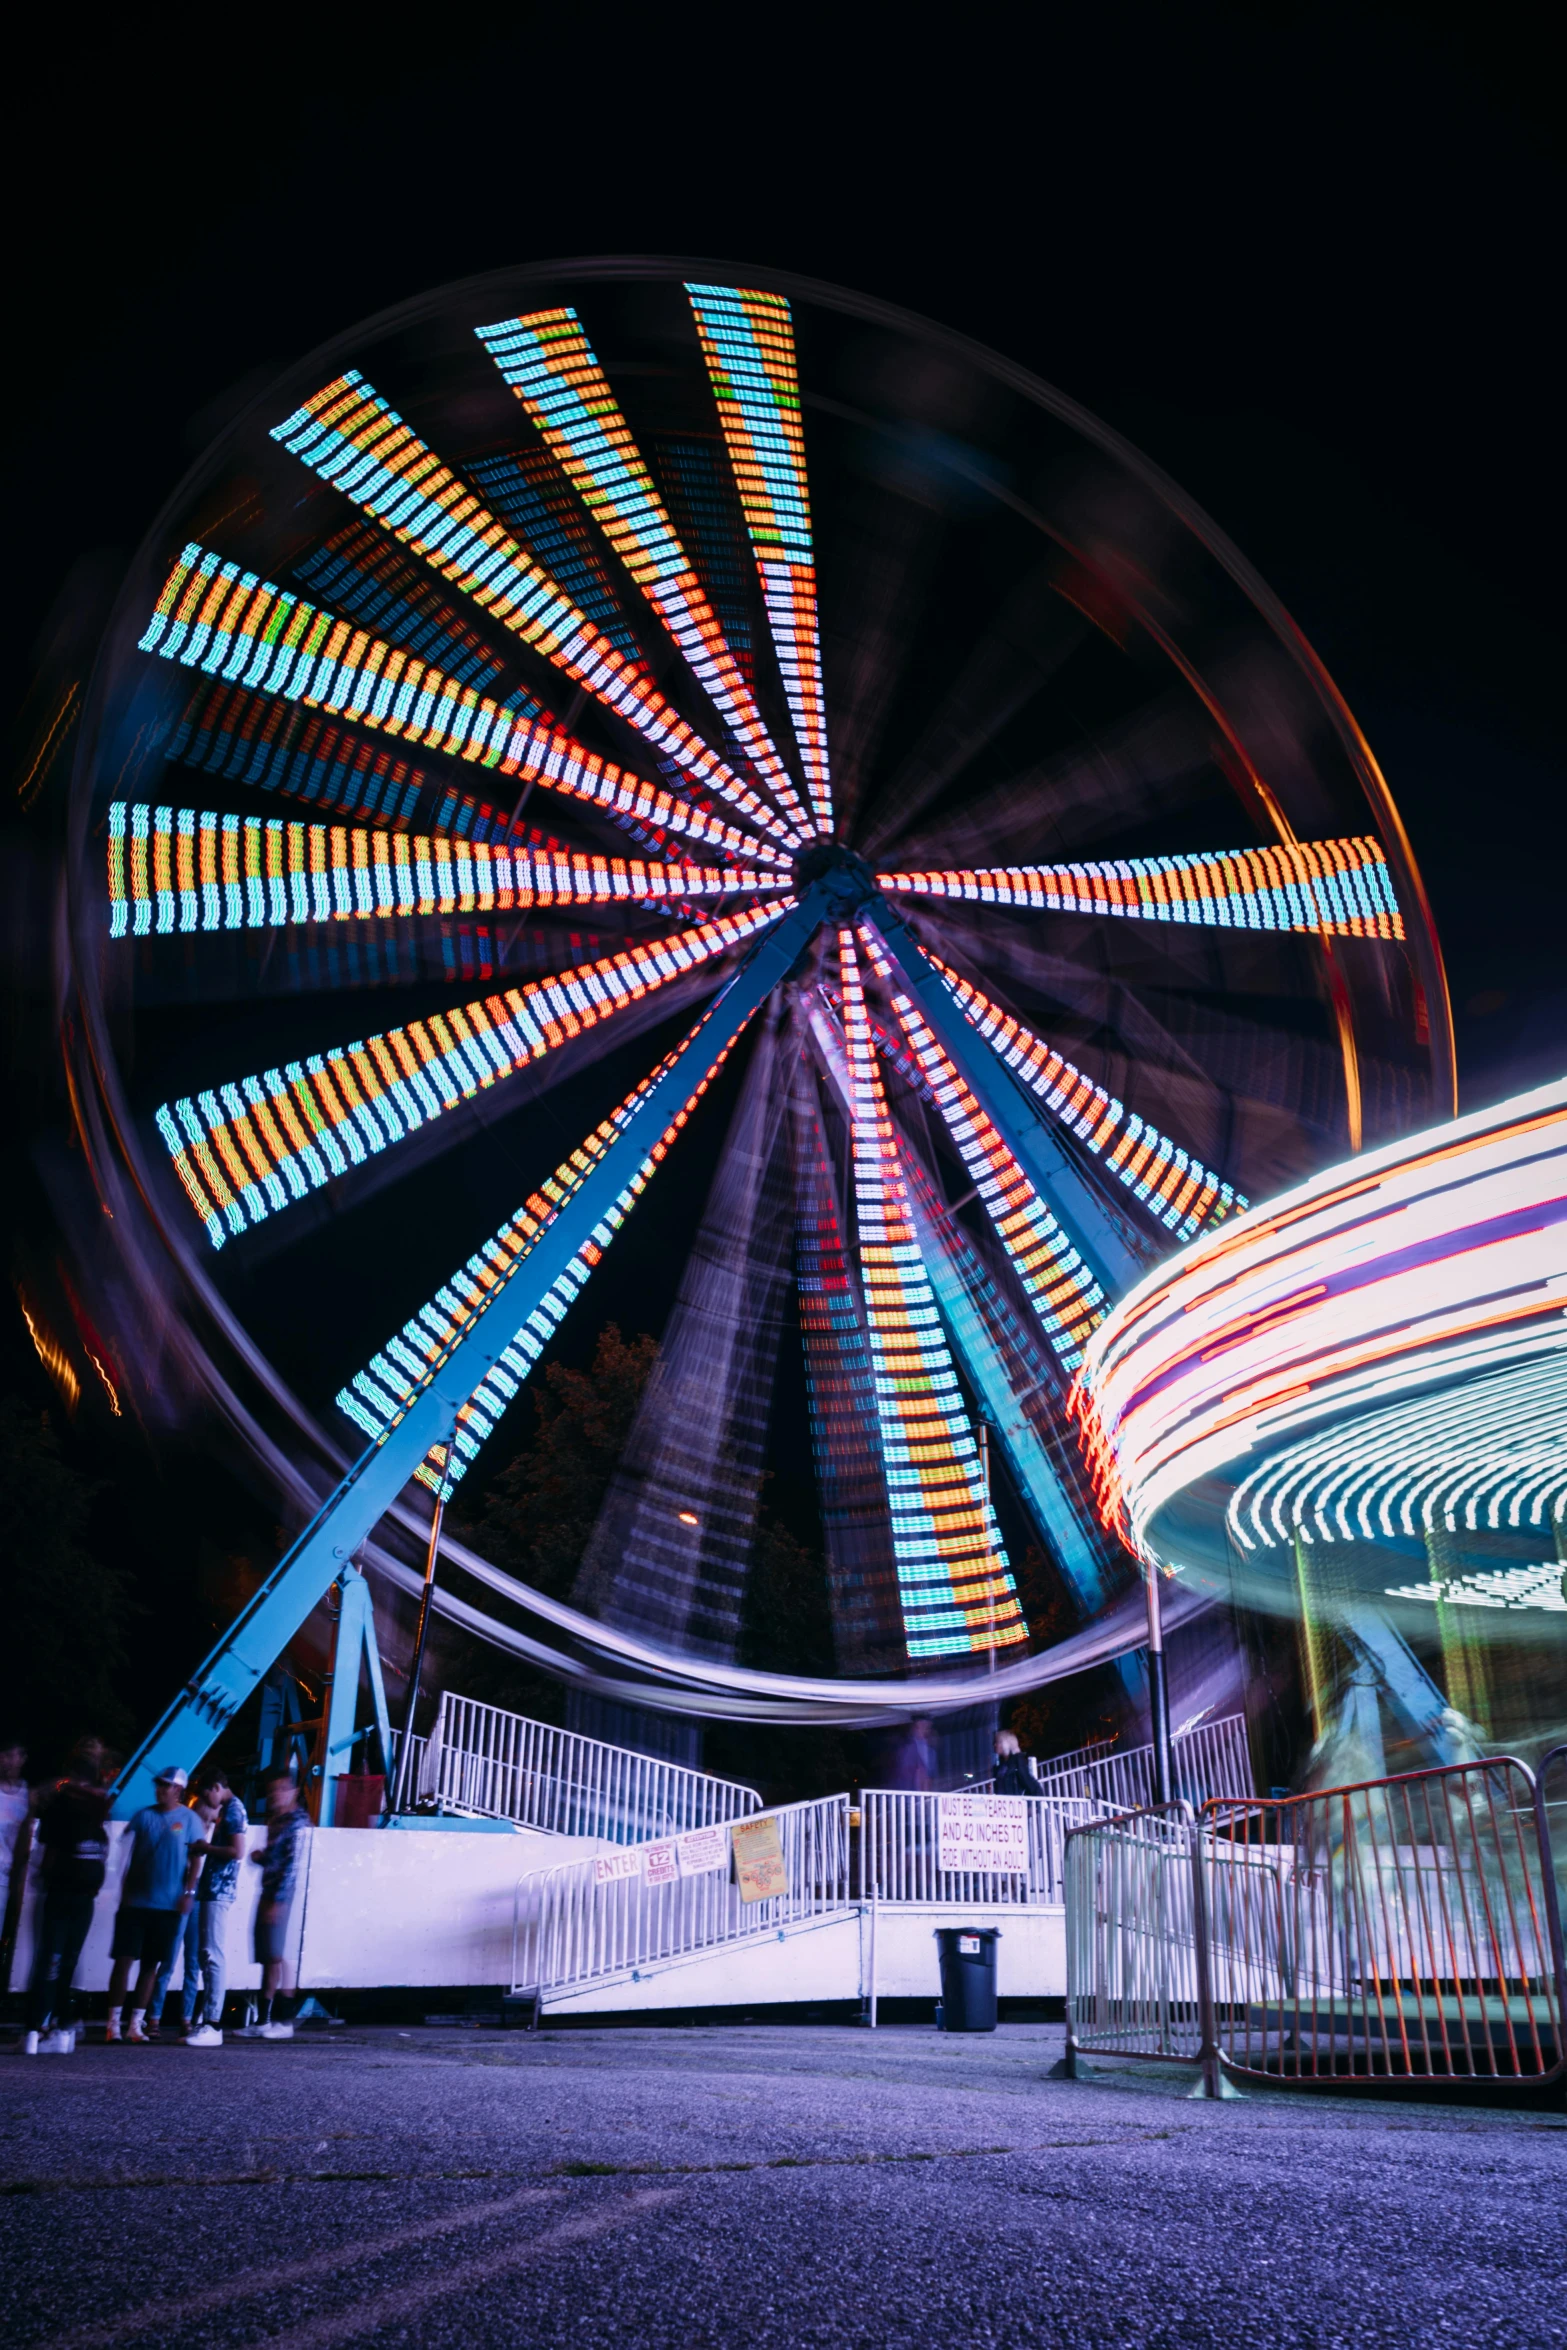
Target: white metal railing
[
  {"x": 575, "y": 1927},
  {"x": 504, "y": 1766},
  {"x": 900, "y": 1853},
  {"x": 1211, "y": 1759}
]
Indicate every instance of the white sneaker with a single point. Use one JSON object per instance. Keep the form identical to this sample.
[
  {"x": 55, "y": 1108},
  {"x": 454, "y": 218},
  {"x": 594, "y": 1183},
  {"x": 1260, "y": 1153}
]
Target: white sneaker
[
  {"x": 59, "y": 2043},
  {"x": 111, "y": 2035},
  {"x": 28, "y": 2044},
  {"x": 204, "y": 2036},
  {"x": 136, "y": 2037},
  {"x": 275, "y": 2032}
]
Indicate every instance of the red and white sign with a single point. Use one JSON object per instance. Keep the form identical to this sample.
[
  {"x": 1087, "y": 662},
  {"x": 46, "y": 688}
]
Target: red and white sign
[
  {"x": 983, "y": 1835},
  {"x": 661, "y": 1865},
  {"x": 609, "y": 1866}
]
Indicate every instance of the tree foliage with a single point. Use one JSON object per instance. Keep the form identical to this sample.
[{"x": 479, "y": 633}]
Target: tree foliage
[
  {"x": 538, "y": 1513},
  {"x": 65, "y": 1612}
]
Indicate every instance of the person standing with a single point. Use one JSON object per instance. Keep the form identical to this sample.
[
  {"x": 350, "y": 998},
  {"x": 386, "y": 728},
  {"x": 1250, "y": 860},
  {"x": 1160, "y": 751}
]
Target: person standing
[
  {"x": 1014, "y": 1773},
  {"x": 72, "y": 1832},
  {"x": 15, "y": 1803},
  {"x": 219, "y": 1885},
  {"x": 166, "y": 1847},
  {"x": 281, "y": 1862}
]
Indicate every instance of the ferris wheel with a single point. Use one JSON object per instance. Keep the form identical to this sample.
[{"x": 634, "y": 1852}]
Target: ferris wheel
[{"x": 618, "y": 709}]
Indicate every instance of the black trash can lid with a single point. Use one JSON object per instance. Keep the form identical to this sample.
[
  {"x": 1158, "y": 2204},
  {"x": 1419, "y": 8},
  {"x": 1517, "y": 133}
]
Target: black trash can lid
[{"x": 967, "y": 1933}]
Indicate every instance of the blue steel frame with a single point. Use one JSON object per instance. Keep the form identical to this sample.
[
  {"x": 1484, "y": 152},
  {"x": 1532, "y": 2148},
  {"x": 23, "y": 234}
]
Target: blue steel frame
[{"x": 322, "y": 1553}]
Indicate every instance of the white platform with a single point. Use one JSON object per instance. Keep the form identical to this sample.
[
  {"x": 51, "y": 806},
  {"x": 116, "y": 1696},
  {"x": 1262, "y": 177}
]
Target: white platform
[{"x": 434, "y": 1907}]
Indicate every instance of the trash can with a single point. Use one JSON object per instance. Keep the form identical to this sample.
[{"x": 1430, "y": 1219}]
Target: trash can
[{"x": 968, "y": 1978}]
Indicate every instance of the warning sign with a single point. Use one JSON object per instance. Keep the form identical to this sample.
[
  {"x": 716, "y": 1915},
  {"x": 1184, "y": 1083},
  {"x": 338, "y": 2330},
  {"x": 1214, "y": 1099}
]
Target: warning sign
[
  {"x": 759, "y": 1864},
  {"x": 983, "y": 1835},
  {"x": 701, "y": 1850}
]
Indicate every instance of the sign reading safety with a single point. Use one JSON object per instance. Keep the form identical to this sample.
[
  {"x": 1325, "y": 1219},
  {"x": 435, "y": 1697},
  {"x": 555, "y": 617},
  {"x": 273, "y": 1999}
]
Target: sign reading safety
[
  {"x": 759, "y": 1863},
  {"x": 983, "y": 1835}
]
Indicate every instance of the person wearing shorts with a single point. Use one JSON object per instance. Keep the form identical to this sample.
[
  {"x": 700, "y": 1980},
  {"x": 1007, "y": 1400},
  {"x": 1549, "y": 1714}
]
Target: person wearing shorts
[
  {"x": 166, "y": 1846},
  {"x": 281, "y": 1862}
]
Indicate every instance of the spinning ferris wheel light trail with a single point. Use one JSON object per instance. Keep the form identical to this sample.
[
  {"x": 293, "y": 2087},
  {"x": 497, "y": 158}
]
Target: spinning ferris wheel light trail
[{"x": 693, "y": 515}]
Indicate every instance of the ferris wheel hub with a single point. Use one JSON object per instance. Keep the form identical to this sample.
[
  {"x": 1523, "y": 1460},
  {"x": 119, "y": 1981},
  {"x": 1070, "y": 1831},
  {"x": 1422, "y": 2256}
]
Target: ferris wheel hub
[{"x": 847, "y": 880}]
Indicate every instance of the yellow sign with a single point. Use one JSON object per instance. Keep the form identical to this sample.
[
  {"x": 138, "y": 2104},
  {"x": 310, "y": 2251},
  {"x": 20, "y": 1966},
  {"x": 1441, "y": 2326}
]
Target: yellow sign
[{"x": 759, "y": 1864}]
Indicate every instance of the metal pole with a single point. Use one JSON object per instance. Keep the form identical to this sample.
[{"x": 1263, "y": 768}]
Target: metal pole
[
  {"x": 1158, "y": 1691},
  {"x": 405, "y": 1751}
]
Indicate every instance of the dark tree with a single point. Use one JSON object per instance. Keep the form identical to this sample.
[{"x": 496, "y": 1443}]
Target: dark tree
[{"x": 65, "y": 1612}]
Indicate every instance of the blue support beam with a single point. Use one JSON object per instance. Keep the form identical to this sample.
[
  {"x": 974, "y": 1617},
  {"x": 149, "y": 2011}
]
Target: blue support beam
[
  {"x": 308, "y": 1569},
  {"x": 355, "y": 1644},
  {"x": 1104, "y": 1239}
]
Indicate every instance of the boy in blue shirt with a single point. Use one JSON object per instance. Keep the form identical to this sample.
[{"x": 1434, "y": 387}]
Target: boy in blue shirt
[{"x": 166, "y": 1845}]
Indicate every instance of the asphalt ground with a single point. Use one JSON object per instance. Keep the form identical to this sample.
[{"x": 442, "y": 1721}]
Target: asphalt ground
[{"x": 759, "y": 2186}]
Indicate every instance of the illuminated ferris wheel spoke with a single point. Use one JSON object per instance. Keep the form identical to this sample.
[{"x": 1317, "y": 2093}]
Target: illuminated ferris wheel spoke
[
  {"x": 841, "y": 1396},
  {"x": 192, "y": 869},
  {"x": 549, "y": 363},
  {"x": 1059, "y": 1286},
  {"x": 353, "y": 440},
  {"x": 748, "y": 344},
  {"x": 957, "y": 1588},
  {"x": 1332, "y": 887},
  {"x": 245, "y": 1150},
  {"x": 226, "y": 623},
  {"x": 1170, "y": 1183},
  {"x": 579, "y": 1209}
]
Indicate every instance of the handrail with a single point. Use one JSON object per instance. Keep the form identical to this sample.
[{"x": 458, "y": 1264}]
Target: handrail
[
  {"x": 597, "y": 1920},
  {"x": 1211, "y": 1758},
  {"x": 484, "y": 1761},
  {"x": 900, "y": 1852}
]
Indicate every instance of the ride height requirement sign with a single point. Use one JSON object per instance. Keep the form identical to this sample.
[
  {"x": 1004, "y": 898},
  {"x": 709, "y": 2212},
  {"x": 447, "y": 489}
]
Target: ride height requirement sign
[{"x": 983, "y": 1835}]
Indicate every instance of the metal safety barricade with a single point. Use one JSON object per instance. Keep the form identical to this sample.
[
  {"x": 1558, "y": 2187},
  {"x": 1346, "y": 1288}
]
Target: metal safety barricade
[
  {"x": 1397, "y": 1929},
  {"x": 1136, "y": 1942}
]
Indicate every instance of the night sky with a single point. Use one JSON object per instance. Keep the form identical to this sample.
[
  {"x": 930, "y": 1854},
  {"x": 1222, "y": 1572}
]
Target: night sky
[{"x": 1310, "y": 264}]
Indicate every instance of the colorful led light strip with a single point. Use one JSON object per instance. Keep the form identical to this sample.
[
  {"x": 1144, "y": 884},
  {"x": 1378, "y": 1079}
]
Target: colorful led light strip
[
  {"x": 550, "y": 365},
  {"x": 845, "y": 1430},
  {"x": 243, "y": 1151},
  {"x": 351, "y": 438},
  {"x": 378, "y": 1397},
  {"x": 1491, "y": 1458},
  {"x": 1328, "y": 886},
  {"x": 226, "y": 623},
  {"x": 748, "y": 343},
  {"x": 1437, "y": 1258},
  {"x": 1173, "y": 1186},
  {"x": 185, "y": 869},
  {"x": 954, "y": 1580},
  {"x": 1060, "y": 1287}
]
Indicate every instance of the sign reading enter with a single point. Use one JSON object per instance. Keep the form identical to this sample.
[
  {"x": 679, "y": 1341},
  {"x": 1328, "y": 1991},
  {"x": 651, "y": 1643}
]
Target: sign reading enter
[{"x": 983, "y": 1835}]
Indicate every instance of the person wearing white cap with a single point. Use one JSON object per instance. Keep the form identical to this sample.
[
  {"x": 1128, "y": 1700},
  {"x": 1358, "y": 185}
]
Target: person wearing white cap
[{"x": 165, "y": 1844}]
